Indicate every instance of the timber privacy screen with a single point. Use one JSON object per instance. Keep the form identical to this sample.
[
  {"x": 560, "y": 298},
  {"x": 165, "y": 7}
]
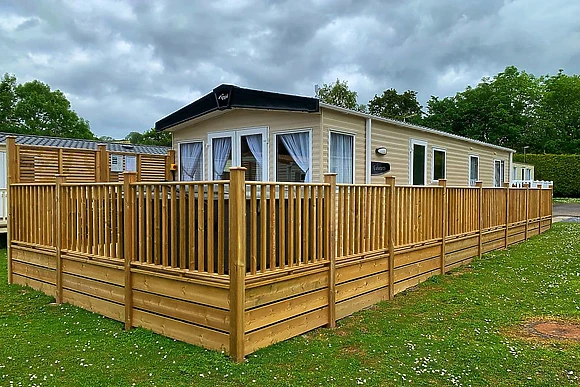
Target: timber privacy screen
[{"x": 237, "y": 266}]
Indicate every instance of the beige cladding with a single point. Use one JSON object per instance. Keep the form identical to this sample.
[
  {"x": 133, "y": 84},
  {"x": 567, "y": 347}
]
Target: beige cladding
[{"x": 395, "y": 138}]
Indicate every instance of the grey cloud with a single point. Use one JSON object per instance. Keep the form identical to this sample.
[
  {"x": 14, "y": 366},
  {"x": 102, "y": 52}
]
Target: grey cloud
[{"x": 127, "y": 64}]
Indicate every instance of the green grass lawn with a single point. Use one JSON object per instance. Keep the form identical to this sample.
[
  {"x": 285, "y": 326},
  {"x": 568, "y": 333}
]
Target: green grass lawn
[
  {"x": 566, "y": 200},
  {"x": 459, "y": 329}
]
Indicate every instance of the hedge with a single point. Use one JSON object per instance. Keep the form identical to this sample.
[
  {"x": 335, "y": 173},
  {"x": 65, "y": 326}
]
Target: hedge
[{"x": 564, "y": 170}]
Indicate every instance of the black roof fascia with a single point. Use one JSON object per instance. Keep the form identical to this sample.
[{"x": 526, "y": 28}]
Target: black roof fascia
[{"x": 228, "y": 96}]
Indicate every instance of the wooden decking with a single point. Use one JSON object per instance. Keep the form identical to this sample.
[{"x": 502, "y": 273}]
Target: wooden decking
[{"x": 237, "y": 266}]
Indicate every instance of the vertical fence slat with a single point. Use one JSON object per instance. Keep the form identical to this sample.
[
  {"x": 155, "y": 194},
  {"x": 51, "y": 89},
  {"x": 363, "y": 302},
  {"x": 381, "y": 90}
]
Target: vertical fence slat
[
  {"x": 253, "y": 230},
  {"x": 210, "y": 231},
  {"x": 221, "y": 228},
  {"x": 272, "y": 226},
  {"x": 201, "y": 228}
]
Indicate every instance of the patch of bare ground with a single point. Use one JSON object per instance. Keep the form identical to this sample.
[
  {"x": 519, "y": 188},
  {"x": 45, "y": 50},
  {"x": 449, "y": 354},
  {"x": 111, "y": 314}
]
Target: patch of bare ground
[{"x": 547, "y": 329}]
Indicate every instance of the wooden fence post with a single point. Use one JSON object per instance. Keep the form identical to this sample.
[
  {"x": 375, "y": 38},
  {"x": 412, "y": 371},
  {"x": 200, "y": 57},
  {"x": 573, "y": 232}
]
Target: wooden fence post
[
  {"x": 330, "y": 178},
  {"x": 444, "y": 204},
  {"x": 60, "y": 161},
  {"x": 527, "y": 187},
  {"x": 169, "y": 159},
  {"x": 237, "y": 261},
  {"x": 390, "y": 181},
  {"x": 129, "y": 242},
  {"x": 12, "y": 177},
  {"x": 479, "y": 185},
  {"x": 139, "y": 161},
  {"x": 551, "y": 199},
  {"x": 58, "y": 206},
  {"x": 539, "y": 186},
  {"x": 507, "y": 213},
  {"x": 103, "y": 165}
]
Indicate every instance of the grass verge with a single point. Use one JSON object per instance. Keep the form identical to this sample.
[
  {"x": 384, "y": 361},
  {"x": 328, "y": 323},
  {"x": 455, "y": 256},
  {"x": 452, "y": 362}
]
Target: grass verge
[
  {"x": 459, "y": 329},
  {"x": 566, "y": 200}
]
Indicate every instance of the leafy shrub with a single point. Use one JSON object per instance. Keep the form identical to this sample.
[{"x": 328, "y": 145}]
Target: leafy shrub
[{"x": 564, "y": 170}]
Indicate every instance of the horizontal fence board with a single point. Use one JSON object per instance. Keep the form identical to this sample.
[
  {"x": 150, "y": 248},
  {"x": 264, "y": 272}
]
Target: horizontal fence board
[
  {"x": 362, "y": 285},
  {"x": 352, "y": 305},
  {"x": 266, "y": 315},
  {"x": 94, "y": 288},
  {"x": 493, "y": 245},
  {"x": 93, "y": 304},
  {"x": 179, "y": 330},
  {"x": 182, "y": 310},
  {"x": 101, "y": 272},
  {"x": 37, "y": 258},
  {"x": 273, "y": 292},
  {"x": 460, "y": 255},
  {"x": 358, "y": 269},
  {"x": 46, "y": 288},
  {"x": 181, "y": 288},
  {"x": 285, "y": 330},
  {"x": 403, "y": 285},
  {"x": 403, "y": 258},
  {"x": 37, "y": 272},
  {"x": 405, "y": 272}
]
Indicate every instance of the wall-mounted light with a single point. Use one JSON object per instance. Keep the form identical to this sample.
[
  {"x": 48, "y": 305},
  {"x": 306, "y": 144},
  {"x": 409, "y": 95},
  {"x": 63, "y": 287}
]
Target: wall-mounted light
[{"x": 381, "y": 150}]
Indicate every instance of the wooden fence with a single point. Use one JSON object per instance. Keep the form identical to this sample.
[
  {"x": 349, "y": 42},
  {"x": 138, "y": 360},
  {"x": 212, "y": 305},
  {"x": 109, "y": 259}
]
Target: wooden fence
[
  {"x": 40, "y": 164},
  {"x": 236, "y": 265}
]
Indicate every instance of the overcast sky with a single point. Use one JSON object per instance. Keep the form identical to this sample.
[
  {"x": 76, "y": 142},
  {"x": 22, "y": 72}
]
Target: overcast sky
[{"x": 126, "y": 64}]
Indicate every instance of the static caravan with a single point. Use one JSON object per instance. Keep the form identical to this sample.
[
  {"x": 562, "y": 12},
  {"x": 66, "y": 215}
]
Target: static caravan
[
  {"x": 282, "y": 137},
  {"x": 522, "y": 171}
]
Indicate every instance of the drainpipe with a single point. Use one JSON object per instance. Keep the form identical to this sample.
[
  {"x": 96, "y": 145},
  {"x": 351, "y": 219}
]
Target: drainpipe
[
  {"x": 368, "y": 152},
  {"x": 510, "y": 168}
]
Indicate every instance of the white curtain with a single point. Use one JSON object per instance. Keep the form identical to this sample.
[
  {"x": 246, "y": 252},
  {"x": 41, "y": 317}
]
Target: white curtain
[
  {"x": 255, "y": 145},
  {"x": 341, "y": 157},
  {"x": 191, "y": 161},
  {"x": 221, "y": 148},
  {"x": 297, "y": 145}
]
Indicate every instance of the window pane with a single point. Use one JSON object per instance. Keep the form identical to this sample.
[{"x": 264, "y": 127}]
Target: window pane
[
  {"x": 473, "y": 170},
  {"x": 418, "y": 164},
  {"x": 341, "y": 157},
  {"x": 438, "y": 165},
  {"x": 497, "y": 174},
  {"x": 252, "y": 156},
  {"x": 222, "y": 158},
  {"x": 191, "y": 161},
  {"x": 293, "y": 157}
]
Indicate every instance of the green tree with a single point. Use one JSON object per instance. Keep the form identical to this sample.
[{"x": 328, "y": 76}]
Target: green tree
[
  {"x": 396, "y": 106},
  {"x": 33, "y": 108},
  {"x": 7, "y": 103},
  {"x": 150, "y": 137},
  {"x": 339, "y": 94},
  {"x": 501, "y": 110},
  {"x": 134, "y": 137},
  {"x": 558, "y": 129}
]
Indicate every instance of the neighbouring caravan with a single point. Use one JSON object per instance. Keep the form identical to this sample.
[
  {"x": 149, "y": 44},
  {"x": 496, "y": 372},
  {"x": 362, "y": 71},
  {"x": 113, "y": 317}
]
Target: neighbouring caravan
[
  {"x": 282, "y": 137},
  {"x": 38, "y": 159}
]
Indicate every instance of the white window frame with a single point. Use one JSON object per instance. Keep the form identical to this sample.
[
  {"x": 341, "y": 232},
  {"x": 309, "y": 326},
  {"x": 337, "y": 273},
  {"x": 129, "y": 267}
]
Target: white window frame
[
  {"x": 500, "y": 161},
  {"x": 203, "y": 153},
  {"x": 469, "y": 177},
  {"x": 235, "y": 135},
  {"x": 433, "y": 150},
  {"x": 412, "y": 144},
  {"x": 344, "y": 133},
  {"x": 275, "y": 147}
]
